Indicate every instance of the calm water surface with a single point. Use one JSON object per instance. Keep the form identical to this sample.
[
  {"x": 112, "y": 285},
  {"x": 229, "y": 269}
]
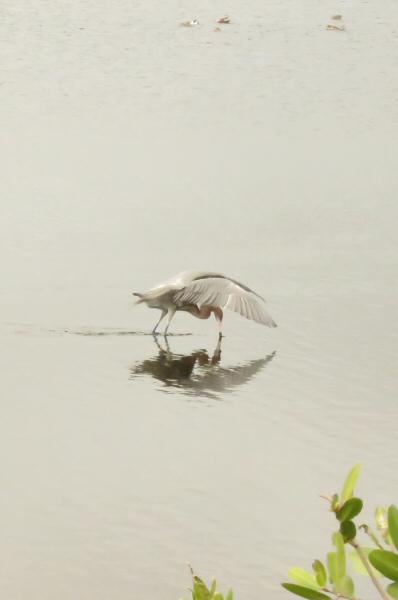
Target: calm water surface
[{"x": 133, "y": 149}]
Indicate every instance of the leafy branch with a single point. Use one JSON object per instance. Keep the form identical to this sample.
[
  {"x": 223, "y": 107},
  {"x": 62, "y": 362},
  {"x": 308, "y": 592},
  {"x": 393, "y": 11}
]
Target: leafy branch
[
  {"x": 379, "y": 560},
  {"x": 331, "y": 580},
  {"x": 200, "y": 591}
]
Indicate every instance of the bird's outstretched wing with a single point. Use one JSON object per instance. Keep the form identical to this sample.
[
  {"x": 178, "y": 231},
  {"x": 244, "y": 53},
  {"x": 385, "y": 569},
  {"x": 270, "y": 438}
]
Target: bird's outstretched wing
[{"x": 225, "y": 293}]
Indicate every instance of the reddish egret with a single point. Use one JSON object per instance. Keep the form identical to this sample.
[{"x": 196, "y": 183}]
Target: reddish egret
[{"x": 202, "y": 293}]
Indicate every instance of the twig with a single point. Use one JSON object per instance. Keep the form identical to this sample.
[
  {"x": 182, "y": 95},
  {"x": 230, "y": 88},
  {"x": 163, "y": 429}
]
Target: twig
[
  {"x": 370, "y": 570},
  {"x": 371, "y": 534},
  {"x": 325, "y": 589}
]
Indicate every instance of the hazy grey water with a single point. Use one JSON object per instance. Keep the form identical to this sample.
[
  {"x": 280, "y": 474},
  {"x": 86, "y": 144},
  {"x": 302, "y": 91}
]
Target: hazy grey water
[{"x": 133, "y": 149}]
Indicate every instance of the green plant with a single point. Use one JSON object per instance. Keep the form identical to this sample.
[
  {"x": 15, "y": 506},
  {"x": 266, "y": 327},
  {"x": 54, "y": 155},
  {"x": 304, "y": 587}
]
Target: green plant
[
  {"x": 200, "y": 591},
  {"x": 377, "y": 560}
]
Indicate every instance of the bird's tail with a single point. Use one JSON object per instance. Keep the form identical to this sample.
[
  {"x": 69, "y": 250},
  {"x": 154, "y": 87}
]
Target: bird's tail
[{"x": 140, "y": 297}]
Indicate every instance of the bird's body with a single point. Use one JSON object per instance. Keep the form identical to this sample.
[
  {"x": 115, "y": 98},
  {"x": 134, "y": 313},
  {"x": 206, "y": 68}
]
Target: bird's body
[
  {"x": 191, "y": 23},
  {"x": 331, "y": 27},
  {"x": 336, "y": 26},
  {"x": 226, "y": 20},
  {"x": 202, "y": 293}
]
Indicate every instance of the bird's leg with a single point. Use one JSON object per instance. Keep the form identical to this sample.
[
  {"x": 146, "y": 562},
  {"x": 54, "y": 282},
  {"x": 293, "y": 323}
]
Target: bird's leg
[
  {"x": 155, "y": 339},
  {"x": 167, "y": 345},
  {"x": 170, "y": 315},
  {"x": 217, "y": 352},
  {"x": 161, "y": 318},
  {"x": 164, "y": 351},
  {"x": 219, "y": 316}
]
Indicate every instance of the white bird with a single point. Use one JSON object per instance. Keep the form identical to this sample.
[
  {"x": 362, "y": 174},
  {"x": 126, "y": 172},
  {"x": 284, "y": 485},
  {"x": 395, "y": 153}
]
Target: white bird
[
  {"x": 202, "y": 293},
  {"x": 226, "y": 20},
  {"x": 191, "y": 23},
  {"x": 331, "y": 27}
]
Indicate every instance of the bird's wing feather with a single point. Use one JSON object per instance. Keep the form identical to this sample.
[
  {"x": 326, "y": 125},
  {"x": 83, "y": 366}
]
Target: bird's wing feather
[
  {"x": 178, "y": 282},
  {"x": 210, "y": 275},
  {"x": 225, "y": 293}
]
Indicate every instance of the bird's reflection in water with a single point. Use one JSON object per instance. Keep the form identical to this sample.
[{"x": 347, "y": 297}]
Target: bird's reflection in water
[{"x": 198, "y": 373}]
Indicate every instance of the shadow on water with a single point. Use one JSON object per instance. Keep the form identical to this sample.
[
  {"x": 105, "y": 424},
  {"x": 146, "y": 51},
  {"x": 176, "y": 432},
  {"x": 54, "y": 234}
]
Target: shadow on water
[
  {"x": 198, "y": 373},
  {"x": 32, "y": 329},
  {"x": 112, "y": 332}
]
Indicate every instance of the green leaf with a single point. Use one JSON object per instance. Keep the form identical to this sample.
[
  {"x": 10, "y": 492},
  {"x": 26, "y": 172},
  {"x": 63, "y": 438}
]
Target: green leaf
[
  {"x": 392, "y": 589},
  {"x": 345, "y": 586},
  {"x": 350, "y": 509},
  {"x": 303, "y": 577},
  {"x": 218, "y": 596},
  {"x": 350, "y": 483},
  {"x": 332, "y": 568},
  {"x": 213, "y": 587},
  {"x": 357, "y": 564},
  {"x": 380, "y": 518},
  {"x": 305, "y": 592},
  {"x": 380, "y": 513},
  {"x": 386, "y": 562},
  {"x": 393, "y": 524},
  {"x": 340, "y": 555},
  {"x": 321, "y": 575},
  {"x": 200, "y": 591},
  {"x": 230, "y": 595},
  {"x": 348, "y": 530},
  {"x": 382, "y": 524}
]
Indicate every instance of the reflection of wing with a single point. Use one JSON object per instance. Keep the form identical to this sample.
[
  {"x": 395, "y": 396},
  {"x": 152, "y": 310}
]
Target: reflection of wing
[
  {"x": 197, "y": 374},
  {"x": 225, "y": 293},
  {"x": 205, "y": 382}
]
